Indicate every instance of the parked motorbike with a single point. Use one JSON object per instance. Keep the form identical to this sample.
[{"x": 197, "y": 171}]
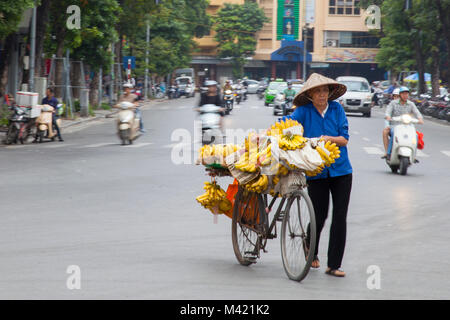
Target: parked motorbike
[
  {"x": 128, "y": 123},
  {"x": 228, "y": 99},
  {"x": 21, "y": 125},
  {"x": 210, "y": 117},
  {"x": 404, "y": 144},
  {"x": 172, "y": 93},
  {"x": 44, "y": 123}
]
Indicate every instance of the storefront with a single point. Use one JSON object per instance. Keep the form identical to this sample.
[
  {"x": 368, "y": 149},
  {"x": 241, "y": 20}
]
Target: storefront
[{"x": 287, "y": 61}]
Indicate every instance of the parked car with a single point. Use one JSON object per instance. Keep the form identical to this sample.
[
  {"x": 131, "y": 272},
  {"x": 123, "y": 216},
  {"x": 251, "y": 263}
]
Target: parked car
[
  {"x": 253, "y": 86},
  {"x": 358, "y": 97},
  {"x": 186, "y": 86}
]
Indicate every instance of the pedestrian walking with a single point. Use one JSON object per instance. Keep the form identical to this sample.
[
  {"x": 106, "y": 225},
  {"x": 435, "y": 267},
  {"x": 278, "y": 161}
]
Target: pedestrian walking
[{"x": 321, "y": 116}]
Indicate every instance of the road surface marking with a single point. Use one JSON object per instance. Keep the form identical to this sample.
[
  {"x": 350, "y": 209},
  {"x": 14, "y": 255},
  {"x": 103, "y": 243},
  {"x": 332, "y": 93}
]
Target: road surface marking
[
  {"x": 179, "y": 144},
  {"x": 355, "y": 132},
  {"x": 373, "y": 150},
  {"x": 255, "y": 107},
  {"x": 98, "y": 145},
  {"x": 366, "y": 139},
  {"x": 182, "y": 107},
  {"x": 139, "y": 145},
  {"x": 447, "y": 153},
  {"x": 54, "y": 146},
  {"x": 420, "y": 153}
]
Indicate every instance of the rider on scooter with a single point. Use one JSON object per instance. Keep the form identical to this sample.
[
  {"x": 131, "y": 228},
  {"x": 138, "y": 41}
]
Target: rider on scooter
[
  {"x": 51, "y": 100},
  {"x": 394, "y": 109},
  {"x": 128, "y": 96},
  {"x": 289, "y": 92}
]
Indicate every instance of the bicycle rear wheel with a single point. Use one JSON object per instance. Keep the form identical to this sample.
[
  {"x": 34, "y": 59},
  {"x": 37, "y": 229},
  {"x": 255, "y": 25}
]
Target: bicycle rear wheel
[
  {"x": 244, "y": 227},
  {"x": 298, "y": 236}
]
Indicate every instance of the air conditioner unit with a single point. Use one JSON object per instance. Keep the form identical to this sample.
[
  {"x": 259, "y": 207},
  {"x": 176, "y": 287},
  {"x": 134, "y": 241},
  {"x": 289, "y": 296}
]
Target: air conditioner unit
[{"x": 332, "y": 43}]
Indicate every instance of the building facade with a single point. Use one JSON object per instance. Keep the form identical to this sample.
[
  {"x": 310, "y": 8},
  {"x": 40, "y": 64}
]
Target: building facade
[{"x": 334, "y": 32}]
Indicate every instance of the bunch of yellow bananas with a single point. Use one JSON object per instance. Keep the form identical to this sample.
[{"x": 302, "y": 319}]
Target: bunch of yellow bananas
[
  {"x": 282, "y": 170},
  {"x": 220, "y": 150},
  {"x": 318, "y": 170},
  {"x": 215, "y": 198},
  {"x": 277, "y": 128},
  {"x": 247, "y": 164},
  {"x": 292, "y": 142},
  {"x": 287, "y": 141},
  {"x": 332, "y": 154},
  {"x": 258, "y": 185},
  {"x": 250, "y": 161}
]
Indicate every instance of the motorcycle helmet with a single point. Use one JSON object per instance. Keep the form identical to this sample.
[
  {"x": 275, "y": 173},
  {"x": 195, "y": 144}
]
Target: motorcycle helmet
[
  {"x": 404, "y": 89},
  {"x": 396, "y": 91},
  {"x": 128, "y": 85}
]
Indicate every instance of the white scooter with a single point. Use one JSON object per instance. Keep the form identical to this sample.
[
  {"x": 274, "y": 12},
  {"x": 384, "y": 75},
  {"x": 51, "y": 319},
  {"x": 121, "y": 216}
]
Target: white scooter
[
  {"x": 128, "y": 123},
  {"x": 210, "y": 116},
  {"x": 404, "y": 144}
]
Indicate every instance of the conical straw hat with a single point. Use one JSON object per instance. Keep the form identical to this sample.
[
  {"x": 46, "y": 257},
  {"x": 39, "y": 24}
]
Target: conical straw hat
[{"x": 316, "y": 80}]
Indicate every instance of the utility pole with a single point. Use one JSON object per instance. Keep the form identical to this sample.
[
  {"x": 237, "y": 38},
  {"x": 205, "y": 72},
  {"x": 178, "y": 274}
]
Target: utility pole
[
  {"x": 32, "y": 50},
  {"x": 305, "y": 43},
  {"x": 146, "y": 61}
]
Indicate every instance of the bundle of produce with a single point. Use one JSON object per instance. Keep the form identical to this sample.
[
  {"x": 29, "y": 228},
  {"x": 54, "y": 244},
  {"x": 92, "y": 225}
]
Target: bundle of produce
[
  {"x": 329, "y": 152},
  {"x": 289, "y": 134},
  {"x": 215, "y": 154},
  {"x": 258, "y": 185},
  {"x": 214, "y": 199}
]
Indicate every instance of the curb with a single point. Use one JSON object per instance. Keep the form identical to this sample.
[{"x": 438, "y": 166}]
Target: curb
[{"x": 107, "y": 116}]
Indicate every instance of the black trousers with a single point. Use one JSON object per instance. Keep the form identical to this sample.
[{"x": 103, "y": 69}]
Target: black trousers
[{"x": 319, "y": 192}]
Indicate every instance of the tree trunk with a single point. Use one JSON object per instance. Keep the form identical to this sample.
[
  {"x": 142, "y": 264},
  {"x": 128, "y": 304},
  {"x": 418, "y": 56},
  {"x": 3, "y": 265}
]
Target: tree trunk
[
  {"x": 444, "y": 17},
  {"x": 59, "y": 67},
  {"x": 420, "y": 65},
  {"x": 93, "y": 93},
  {"x": 41, "y": 28},
  {"x": 435, "y": 72},
  {"x": 5, "y": 53}
]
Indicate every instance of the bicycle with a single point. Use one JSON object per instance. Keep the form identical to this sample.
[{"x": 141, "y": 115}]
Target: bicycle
[{"x": 251, "y": 229}]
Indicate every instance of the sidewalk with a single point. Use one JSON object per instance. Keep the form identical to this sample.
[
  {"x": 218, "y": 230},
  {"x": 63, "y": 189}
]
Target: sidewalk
[{"x": 101, "y": 114}]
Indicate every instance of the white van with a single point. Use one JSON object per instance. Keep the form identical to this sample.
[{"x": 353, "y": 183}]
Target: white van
[{"x": 358, "y": 97}]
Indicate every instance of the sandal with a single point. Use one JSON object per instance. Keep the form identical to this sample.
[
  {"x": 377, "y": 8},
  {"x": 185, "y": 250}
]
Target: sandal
[{"x": 335, "y": 272}]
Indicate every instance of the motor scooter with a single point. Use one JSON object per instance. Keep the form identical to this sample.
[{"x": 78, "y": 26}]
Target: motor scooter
[
  {"x": 128, "y": 123},
  {"x": 44, "y": 123},
  {"x": 404, "y": 144},
  {"x": 21, "y": 125},
  {"x": 210, "y": 117},
  {"x": 228, "y": 99}
]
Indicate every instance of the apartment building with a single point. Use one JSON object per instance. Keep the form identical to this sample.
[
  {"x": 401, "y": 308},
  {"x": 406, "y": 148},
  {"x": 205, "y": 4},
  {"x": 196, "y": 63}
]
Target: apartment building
[{"x": 334, "y": 32}]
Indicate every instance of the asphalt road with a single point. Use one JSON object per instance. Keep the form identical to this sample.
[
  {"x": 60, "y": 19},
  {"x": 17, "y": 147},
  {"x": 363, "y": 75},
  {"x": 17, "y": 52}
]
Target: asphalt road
[{"x": 127, "y": 218}]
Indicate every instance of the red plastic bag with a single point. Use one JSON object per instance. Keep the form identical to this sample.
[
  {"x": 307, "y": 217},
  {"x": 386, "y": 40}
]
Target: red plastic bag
[
  {"x": 420, "y": 142},
  {"x": 231, "y": 193}
]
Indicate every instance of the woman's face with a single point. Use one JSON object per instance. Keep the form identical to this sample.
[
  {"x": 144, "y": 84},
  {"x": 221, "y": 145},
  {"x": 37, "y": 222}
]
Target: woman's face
[{"x": 319, "y": 95}]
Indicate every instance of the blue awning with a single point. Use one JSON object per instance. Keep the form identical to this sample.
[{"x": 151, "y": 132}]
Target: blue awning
[{"x": 290, "y": 51}]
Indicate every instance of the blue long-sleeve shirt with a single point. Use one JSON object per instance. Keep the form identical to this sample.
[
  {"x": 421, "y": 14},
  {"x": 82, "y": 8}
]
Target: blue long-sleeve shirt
[
  {"x": 334, "y": 124},
  {"x": 53, "y": 101}
]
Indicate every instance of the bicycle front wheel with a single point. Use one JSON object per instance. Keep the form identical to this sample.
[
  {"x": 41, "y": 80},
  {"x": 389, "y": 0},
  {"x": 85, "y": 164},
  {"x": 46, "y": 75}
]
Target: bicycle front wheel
[{"x": 298, "y": 236}]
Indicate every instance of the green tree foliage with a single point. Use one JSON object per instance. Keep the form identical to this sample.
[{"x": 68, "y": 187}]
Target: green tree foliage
[
  {"x": 236, "y": 26},
  {"x": 173, "y": 25},
  {"x": 10, "y": 15}
]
